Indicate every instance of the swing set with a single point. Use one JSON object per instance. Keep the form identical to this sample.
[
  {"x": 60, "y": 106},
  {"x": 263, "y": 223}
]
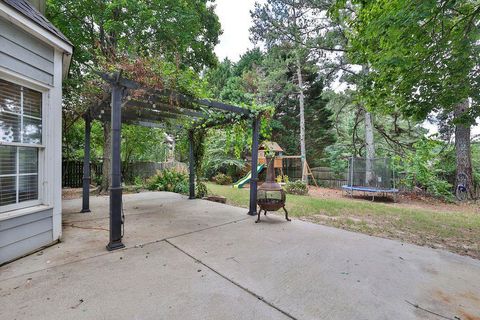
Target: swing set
[{"x": 286, "y": 166}]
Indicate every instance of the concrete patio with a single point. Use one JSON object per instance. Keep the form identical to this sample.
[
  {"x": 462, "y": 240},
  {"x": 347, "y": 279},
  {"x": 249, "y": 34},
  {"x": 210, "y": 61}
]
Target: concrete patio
[{"x": 193, "y": 259}]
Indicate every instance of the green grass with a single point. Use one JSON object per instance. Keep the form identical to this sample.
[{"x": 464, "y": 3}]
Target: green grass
[{"x": 455, "y": 231}]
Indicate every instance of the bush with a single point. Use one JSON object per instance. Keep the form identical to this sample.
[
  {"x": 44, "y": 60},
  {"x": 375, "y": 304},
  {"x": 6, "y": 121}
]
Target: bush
[
  {"x": 182, "y": 187},
  {"x": 222, "y": 179},
  {"x": 424, "y": 168},
  {"x": 138, "y": 182},
  {"x": 296, "y": 187},
  {"x": 169, "y": 180},
  {"x": 174, "y": 181},
  {"x": 201, "y": 190}
]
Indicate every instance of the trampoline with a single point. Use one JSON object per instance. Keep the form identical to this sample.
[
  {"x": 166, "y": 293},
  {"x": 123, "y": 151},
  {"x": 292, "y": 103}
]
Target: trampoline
[{"x": 372, "y": 176}]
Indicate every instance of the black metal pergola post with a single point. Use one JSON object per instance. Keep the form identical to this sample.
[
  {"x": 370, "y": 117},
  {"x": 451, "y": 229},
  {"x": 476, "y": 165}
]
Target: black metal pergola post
[
  {"x": 116, "y": 187},
  {"x": 254, "y": 180},
  {"x": 86, "y": 165},
  {"x": 191, "y": 165}
]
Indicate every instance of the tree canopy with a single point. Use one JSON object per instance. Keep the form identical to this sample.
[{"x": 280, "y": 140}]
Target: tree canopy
[{"x": 423, "y": 56}]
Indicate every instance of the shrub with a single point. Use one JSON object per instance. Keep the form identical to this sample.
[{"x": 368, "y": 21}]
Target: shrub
[
  {"x": 424, "y": 168},
  {"x": 168, "y": 180},
  {"x": 201, "y": 190},
  {"x": 138, "y": 182},
  {"x": 296, "y": 187},
  {"x": 222, "y": 179},
  {"x": 182, "y": 187},
  {"x": 174, "y": 181}
]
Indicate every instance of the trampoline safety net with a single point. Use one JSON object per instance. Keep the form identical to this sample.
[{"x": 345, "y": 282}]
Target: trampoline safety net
[{"x": 375, "y": 173}]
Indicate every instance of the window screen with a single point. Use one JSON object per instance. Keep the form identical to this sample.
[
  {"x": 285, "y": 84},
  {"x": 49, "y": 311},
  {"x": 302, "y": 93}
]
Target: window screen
[{"x": 20, "y": 141}]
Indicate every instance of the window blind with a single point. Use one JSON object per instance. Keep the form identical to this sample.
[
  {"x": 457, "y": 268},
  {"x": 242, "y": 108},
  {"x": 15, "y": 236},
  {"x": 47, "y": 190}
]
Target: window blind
[{"x": 21, "y": 137}]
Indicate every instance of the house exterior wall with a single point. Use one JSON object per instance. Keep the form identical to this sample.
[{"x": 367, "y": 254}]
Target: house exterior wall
[
  {"x": 25, "y": 233},
  {"x": 24, "y": 54},
  {"x": 30, "y": 62}
]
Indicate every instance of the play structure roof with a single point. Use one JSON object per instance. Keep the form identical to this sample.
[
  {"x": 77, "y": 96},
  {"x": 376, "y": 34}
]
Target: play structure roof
[{"x": 270, "y": 145}]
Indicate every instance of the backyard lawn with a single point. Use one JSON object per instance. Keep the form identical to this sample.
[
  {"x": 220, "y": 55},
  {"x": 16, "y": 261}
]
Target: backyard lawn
[{"x": 448, "y": 227}]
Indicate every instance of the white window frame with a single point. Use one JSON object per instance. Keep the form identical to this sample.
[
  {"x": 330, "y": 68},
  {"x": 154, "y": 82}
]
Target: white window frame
[{"x": 44, "y": 90}]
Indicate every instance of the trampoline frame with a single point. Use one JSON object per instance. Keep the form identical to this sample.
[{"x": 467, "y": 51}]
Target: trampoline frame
[{"x": 349, "y": 188}]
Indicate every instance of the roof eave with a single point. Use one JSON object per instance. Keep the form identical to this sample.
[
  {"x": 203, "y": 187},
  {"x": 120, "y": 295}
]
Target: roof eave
[{"x": 37, "y": 31}]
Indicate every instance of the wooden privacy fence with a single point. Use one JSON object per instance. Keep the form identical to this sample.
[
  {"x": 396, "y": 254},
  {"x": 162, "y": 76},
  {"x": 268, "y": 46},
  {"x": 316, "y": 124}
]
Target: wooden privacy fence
[
  {"x": 72, "y": 171},
  {"x": 326, "y": 177}
]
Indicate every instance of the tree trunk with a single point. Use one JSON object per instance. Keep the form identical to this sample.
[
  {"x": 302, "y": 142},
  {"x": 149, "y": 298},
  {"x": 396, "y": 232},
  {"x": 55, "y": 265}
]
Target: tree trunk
[
  {"x": 462, "y": 149},
  {"x": 369, "y": 150},
  {"x": 107, "y": 153},
  {"x": 303, "y": 152}
]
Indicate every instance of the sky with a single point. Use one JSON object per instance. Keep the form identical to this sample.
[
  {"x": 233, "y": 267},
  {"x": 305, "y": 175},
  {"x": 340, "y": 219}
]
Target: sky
[{"x": 235, "y": 19}]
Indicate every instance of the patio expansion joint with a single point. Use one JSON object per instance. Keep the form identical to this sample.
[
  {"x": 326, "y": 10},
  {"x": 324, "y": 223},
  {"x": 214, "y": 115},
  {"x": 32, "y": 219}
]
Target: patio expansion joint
[
  {"x": 268, "y": 303},
  {"x": 136, "y": 246}
]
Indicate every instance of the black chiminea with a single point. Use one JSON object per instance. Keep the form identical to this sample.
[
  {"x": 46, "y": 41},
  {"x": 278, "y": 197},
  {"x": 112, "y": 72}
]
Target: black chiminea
[{"x": 270, "y": 195}]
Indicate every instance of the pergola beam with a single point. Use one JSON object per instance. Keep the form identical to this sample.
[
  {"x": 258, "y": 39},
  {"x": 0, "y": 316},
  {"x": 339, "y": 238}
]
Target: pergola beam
[
  {"x": 212, "y": 104},
  {"x": 149, "y": 113},
  {"x": 133, "y": 116},
  {"x": 223, "y": 106},
  {"x": 149, "y": 124},
  {"x": 163, "y": 107}
]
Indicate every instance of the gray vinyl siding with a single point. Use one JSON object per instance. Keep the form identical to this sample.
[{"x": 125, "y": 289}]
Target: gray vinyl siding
[
  {"x": 24, "y": 234},
  {"x": 24, "y": 54}
]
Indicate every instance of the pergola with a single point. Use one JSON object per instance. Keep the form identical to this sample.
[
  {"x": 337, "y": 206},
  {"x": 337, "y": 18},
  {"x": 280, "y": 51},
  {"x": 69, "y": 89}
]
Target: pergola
[{"x": 152, "y": 108}]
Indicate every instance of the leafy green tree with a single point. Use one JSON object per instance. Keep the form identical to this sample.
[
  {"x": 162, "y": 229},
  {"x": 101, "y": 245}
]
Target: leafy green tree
[
  {"x": 220, "y": 157},
  {"x": 393, "y": 134},
  {"x": 292, "y": 24},
  {"x": 423, "y": 168},
  {"x": 265, "y": 77},
  {"x": 423, "y": 57},
  {"x": 237, "y": 82},
  {"x": 218, "y": 77},
  {"x": 106, "y": 33}
]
